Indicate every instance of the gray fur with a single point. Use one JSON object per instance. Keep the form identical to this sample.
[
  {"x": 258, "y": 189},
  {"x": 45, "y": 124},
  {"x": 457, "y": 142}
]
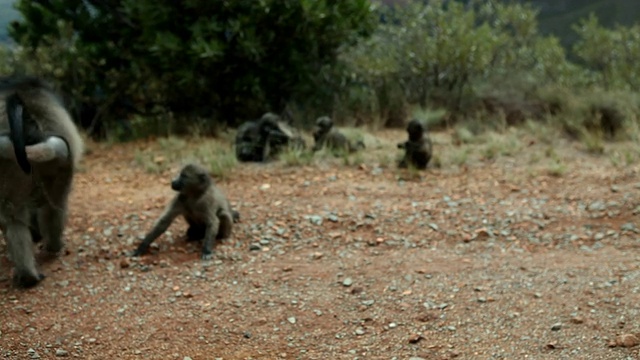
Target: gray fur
[
  {"x": 202, "y": 204},
  {"x": 43, "y": 193},
  {"x": 418, "y": 149},
  {"x": 325, "y": 135}
]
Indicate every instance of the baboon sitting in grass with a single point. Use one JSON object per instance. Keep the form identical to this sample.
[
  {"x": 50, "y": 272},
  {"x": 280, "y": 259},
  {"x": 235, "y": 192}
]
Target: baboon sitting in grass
[
  {"x": 265, "y": 138},
  {"x": 325, "y": 135},
  {"x": 418, "y": 148}
]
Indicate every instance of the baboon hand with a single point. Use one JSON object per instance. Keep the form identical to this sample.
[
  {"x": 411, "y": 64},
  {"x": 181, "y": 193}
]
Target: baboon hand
[{"x": 51, "y": 149}]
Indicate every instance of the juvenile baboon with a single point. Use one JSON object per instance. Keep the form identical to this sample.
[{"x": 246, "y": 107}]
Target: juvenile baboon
[
  {"x": 202, "y": 204},
  {"x": 40, "y": 148},
  {"x": 418, "y": 149},
  {"x": 263, "y": 139},
  {"x": 325, "y": 136}
]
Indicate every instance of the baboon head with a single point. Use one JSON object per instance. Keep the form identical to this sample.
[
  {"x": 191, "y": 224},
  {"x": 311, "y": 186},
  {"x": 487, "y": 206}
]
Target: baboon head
[
  {"x": 192, "y": 180},
  {"x": 415, "y": 130},
  {"x": 269, "y": 116},
  {"x": 324, "y": 124},
  {"x": 271, "y": 131}
]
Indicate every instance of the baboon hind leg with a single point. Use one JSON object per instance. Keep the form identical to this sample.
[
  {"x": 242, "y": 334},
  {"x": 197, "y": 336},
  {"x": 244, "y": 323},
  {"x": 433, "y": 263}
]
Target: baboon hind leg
[
  {"x": 226, "y": 224},
  {"x": 210, "y": 238},
  {"x": 51, "y": 221},
  {"x": 20, "y": 246},
  {"x": 196, "y": 231},
  {"x": 34, "y": 227}
]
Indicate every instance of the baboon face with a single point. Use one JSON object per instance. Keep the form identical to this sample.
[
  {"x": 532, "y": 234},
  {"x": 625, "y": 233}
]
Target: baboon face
[
  {"x": 191, "y": 179},
  {"x": 271, "y": 130},
  {"x": 270, "y": 117},
  {"x": 324, "y": 123},
  {"x": 268, "y": 126},
  {"x": 415, "y": 130}
]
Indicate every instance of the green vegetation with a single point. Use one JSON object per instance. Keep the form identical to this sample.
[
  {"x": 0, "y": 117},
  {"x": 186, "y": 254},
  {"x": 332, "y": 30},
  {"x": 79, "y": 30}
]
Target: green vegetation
[{"x": 197, "y": 67}]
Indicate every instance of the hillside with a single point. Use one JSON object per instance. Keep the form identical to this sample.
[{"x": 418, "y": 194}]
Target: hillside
[
  {"x": 7, "y": 14},
  {"x": 556, "y": 16}
]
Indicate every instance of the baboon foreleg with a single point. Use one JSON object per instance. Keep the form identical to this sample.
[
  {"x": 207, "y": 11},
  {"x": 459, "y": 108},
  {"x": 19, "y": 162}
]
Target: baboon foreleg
[
  {"x": 158, "y": 229},
  {"x": 21, "y": 252},
  {"x": 209, "y": 238},
  {"x": 226, "y": 224}
]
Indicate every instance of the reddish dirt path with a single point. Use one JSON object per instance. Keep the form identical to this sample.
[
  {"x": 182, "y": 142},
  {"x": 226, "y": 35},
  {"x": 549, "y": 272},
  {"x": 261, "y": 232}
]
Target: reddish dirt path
[{"x": 348, "y": 263}]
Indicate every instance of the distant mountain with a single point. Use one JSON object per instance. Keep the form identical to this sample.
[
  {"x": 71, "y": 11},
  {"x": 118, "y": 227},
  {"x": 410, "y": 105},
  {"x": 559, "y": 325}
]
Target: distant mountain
[
  {"x": 7, "y": 15},
  {"x": 556, "y": 16}
]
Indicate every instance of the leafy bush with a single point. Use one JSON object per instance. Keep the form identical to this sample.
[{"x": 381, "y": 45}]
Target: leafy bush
[{"x": 227, "y": 61}]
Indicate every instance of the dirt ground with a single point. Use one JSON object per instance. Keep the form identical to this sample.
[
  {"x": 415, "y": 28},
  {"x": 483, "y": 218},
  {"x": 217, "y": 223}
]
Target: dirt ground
[{"x": 333, "y": 261}]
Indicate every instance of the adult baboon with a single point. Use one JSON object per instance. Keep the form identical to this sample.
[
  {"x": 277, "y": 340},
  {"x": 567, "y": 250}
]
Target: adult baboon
[
  {"x": 325, "y": 136},
  {"x": 40, "y": 148},
  {"x": 202, "y": 204},
  {"x": 418, "y": 148},
  {"x": 265, "y": 138}
]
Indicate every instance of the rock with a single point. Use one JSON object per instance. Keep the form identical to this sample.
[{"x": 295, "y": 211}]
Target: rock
[
  {"x": 597, "y": 206},
  {"x": 347, "y": 282},
  {"x": 414, "y": 338},
  {"x": 631, "y": 227},
  {"x": 368, "y": 302},
  {"x": 577, "y": 320},
  {"x": 291, "y": 320},
  {"x": 556, "y": 326},
  {"x": 359, "y": 331},
  {"x": 255, "y": 247},
  {"x": 627, "y": 340},
  {"x": 33, "y": 354},
  {"x": 61, "y": 353}
]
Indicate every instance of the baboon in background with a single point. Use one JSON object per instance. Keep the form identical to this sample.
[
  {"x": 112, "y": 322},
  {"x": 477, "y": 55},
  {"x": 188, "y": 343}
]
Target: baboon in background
[
  {"x": 325, "y": 135},
  {"x": 418, "y": 149},
  {"x": 263, "y": 139},
  {"x": 202, "y": 204},
  {"x": 40, "y": 147}
]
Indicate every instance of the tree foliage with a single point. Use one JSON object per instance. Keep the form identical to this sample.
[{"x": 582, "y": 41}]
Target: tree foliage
[
  {"x": 226, "y": 60},
  {"x": 611, "y": 54},
  {"x": 437, "y": 52}
]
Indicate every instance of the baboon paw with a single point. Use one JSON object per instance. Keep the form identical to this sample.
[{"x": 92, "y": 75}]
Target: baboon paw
[
  {"x": 207, "y": 256},
  {"x": 53, "y": 249},
  {"x": 26, "y": 281},
  {"x": 138, "y": 252}
]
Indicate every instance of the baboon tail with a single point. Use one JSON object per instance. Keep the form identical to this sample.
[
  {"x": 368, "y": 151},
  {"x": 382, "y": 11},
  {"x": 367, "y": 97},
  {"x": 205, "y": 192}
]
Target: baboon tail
[{"x": 15, "y": 110}]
